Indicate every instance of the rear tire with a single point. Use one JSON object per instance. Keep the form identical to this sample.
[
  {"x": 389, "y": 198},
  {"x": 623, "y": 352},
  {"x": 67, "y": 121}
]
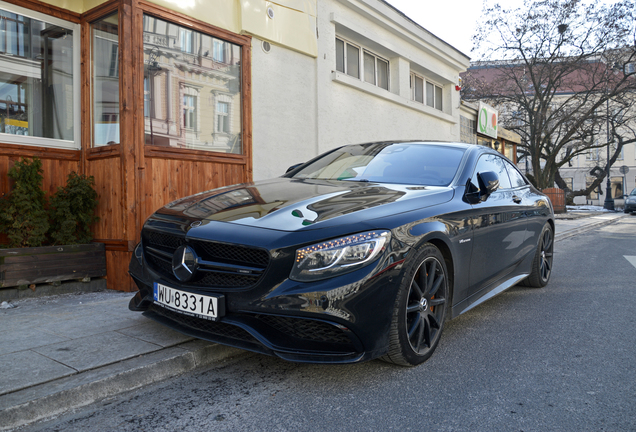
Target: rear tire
[
  {"x": 542, "y": 262},
  {"x": 420, "y": 309}
]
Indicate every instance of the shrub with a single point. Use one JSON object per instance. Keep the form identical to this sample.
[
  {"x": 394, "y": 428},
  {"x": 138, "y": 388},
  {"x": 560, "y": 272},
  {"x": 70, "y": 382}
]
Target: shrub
[
  {"x": 72, "y": 210},
  {"x": 22, "y": 213}
]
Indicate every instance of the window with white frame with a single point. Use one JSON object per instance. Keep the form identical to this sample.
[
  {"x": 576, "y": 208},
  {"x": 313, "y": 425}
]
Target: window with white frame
[
  {"x": 376, "y": 70},
  {"x": 222, "y": 117},
  {"x": 189, "y": 111},
  {"x": 594, "y": 193},
  {"x": 40, "y": 83},
  {"x": 592, "y": 154},
  {"x": 423, "y": 90},
  {"x": 218, "y": 50},
  {"x": 613, "y": 150},
  {"x": 349, "y": 57},
  {"x": 185, "y": 37}
]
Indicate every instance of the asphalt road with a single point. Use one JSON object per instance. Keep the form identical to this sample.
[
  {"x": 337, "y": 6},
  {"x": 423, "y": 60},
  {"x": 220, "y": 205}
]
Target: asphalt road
[{"x": 562, "y": 358}]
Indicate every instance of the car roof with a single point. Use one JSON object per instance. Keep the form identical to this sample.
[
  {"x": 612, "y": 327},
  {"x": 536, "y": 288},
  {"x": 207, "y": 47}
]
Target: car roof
[{"x": 427, "y": 142}]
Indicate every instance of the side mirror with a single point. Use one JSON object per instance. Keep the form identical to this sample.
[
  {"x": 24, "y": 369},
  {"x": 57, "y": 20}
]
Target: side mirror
[
  {"x": 488, "y": 183},
  {"x": 293, "y": 167}
]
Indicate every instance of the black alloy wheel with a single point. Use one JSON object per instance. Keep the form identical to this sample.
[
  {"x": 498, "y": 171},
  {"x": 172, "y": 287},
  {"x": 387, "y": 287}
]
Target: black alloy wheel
[
  {"x": 420, "y": 309},
  {"x": 542, "y": 263}
]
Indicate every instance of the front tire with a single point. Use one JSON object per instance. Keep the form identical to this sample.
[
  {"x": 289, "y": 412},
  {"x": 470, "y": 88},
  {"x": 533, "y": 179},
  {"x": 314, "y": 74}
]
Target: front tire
[
  {"x": 542, "y": 262},
  {"x": 420, "y": 309}
]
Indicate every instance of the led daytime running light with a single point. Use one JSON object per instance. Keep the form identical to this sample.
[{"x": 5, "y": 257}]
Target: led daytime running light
[{"x": 329, "y": 258}]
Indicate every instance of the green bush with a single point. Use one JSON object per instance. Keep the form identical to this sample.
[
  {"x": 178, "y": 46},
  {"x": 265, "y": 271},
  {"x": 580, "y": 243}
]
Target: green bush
[
  {"x": 23, "y": 215},
  {"x": 72, "y": 210}
]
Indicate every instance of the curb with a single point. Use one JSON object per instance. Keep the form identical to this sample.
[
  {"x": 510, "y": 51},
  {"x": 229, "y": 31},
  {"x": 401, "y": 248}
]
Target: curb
[
  {"x": 585, "y": 228},
  {"x": 59, "y": 396}
]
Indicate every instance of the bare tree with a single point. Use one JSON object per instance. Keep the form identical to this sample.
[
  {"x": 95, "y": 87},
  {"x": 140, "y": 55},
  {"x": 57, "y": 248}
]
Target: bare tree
[{"x": 560, "y": 73}]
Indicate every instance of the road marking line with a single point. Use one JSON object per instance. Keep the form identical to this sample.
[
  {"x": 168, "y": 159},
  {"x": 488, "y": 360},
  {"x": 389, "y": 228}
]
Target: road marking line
[{"x": 631, "y": 259}]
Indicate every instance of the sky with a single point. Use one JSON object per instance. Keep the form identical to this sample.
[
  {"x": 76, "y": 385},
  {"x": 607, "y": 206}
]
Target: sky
[{"x": 453, "y": 21}]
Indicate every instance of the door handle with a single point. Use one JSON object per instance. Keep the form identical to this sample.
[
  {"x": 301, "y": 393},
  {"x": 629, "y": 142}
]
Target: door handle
[{"x": 516, "y": 199}]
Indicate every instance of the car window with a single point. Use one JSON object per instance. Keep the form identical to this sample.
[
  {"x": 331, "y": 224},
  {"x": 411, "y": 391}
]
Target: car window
[
  {"x": 491, "y": 162},
  {"x": 516, "y": 179},
  {"x": 400, "y": 163}
]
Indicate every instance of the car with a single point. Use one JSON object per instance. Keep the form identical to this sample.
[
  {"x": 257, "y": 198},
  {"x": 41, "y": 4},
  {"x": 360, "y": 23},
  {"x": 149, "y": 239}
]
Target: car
[
  {"x": 363, "y": 252},
  {"x": 630, "y": 202}
]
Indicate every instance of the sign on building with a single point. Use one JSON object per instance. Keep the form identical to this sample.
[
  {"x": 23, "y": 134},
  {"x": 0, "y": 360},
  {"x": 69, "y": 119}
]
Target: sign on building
[{"x": 487, "y": 120}]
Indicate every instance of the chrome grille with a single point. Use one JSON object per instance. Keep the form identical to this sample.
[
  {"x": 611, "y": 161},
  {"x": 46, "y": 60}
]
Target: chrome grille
[{"x": 159, "y": 248}]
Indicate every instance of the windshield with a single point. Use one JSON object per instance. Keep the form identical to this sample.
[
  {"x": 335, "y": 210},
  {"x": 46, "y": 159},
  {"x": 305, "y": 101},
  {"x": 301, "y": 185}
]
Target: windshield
[
  {"x": 403, "y": 163},
  {"x": 633, "y": 192}
]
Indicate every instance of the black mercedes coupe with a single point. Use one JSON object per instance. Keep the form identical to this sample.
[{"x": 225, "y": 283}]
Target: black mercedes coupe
[{"x": 363, "y": 252}]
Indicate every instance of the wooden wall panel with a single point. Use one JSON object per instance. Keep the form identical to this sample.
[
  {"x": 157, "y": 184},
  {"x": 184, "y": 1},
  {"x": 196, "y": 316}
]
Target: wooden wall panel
[
  {"x": 117, "y": 271},
  {"x": 109, "y": 190},
  {"x": 54, "y": 173},
  {"x": 172, "y": 179}
]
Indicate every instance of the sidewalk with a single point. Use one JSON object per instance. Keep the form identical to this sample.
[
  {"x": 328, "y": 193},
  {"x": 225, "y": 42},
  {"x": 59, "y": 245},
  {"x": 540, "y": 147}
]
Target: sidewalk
[
  {"x": 63, "y": 352},
  {"x": 573, "y": 223}
]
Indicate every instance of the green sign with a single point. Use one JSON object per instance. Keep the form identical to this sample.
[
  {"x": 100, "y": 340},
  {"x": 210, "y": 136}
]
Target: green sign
[{"x": 487, "y": 120}]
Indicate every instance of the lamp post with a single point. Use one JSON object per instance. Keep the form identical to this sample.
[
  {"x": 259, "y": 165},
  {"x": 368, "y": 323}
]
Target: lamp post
[
  {"x": 609, "y": 201},
  {"x": 153, "y": 70}
]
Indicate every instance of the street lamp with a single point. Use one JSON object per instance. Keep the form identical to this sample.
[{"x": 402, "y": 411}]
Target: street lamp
[
  {"x": 609, "y": 201},
  {"x": 153, "y": 70}
]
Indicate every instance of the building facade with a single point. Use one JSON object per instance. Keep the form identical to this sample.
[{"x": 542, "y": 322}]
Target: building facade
[{"x": 161, "y": 99}]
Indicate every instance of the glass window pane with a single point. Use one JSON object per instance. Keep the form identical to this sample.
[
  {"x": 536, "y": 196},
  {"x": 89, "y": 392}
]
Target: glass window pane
[
  {"x": 36, "y": 87},
  {"x": 105, "y": 91},
  {"x": 438, "y": 97},
  {"x": 493, "y": 163},
  {"x": 594, "y": 193},
  {"x": 369, "y": 68},
  {"x": 430, "y": 94},
  {"x": 340, "y": 56},
  {"x": 191, "y": 108},
  {"x": 617, "y": 187},
  {"x": 220, "y": 49},
  {"x": 383, "y": 74},
  {"x": 353, "y": 61},
  {"x": 419, "y": 89},
  {"x": 516, "y": 179}
]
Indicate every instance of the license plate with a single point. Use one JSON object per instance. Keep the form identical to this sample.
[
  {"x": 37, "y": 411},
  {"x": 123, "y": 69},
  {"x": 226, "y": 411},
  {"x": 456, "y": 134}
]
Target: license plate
[{"x": 202, "y": 306}]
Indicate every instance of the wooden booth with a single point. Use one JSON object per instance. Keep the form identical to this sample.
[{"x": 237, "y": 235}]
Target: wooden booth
[{"x": 152, "y": 103}]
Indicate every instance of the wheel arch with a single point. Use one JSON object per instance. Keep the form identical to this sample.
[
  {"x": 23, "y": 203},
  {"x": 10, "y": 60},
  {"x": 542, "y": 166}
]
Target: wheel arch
[
  {"x": 450, "y": 265},
  {"x": 551, "y": 222}
]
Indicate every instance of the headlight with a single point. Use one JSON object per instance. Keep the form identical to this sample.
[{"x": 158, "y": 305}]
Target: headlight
[
  {"x": 631, "y": 201},
  {"x": 338, "y": 256}
]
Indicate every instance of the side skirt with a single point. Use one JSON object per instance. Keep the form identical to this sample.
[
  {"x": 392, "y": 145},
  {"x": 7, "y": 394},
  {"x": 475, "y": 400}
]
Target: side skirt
[{"x": 467, "y": 304}]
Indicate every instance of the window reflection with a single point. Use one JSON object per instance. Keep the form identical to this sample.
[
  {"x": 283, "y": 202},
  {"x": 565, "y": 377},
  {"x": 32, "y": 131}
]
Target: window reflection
[
  {"x": 105, "y": 53},
  {"x": 36, "y": 78},
  {"x": 192, "y": 91}
]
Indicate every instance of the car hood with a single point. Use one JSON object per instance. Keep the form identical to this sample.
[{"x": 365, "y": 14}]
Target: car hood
[{"x": 292, "y": 204}]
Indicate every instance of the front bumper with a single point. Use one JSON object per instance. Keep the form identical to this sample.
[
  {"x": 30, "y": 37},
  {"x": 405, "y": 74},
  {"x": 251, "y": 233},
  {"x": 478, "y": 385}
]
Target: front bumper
[
  {"x": 630, "y": 207},
  {"x": 344, "y": 319}
]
